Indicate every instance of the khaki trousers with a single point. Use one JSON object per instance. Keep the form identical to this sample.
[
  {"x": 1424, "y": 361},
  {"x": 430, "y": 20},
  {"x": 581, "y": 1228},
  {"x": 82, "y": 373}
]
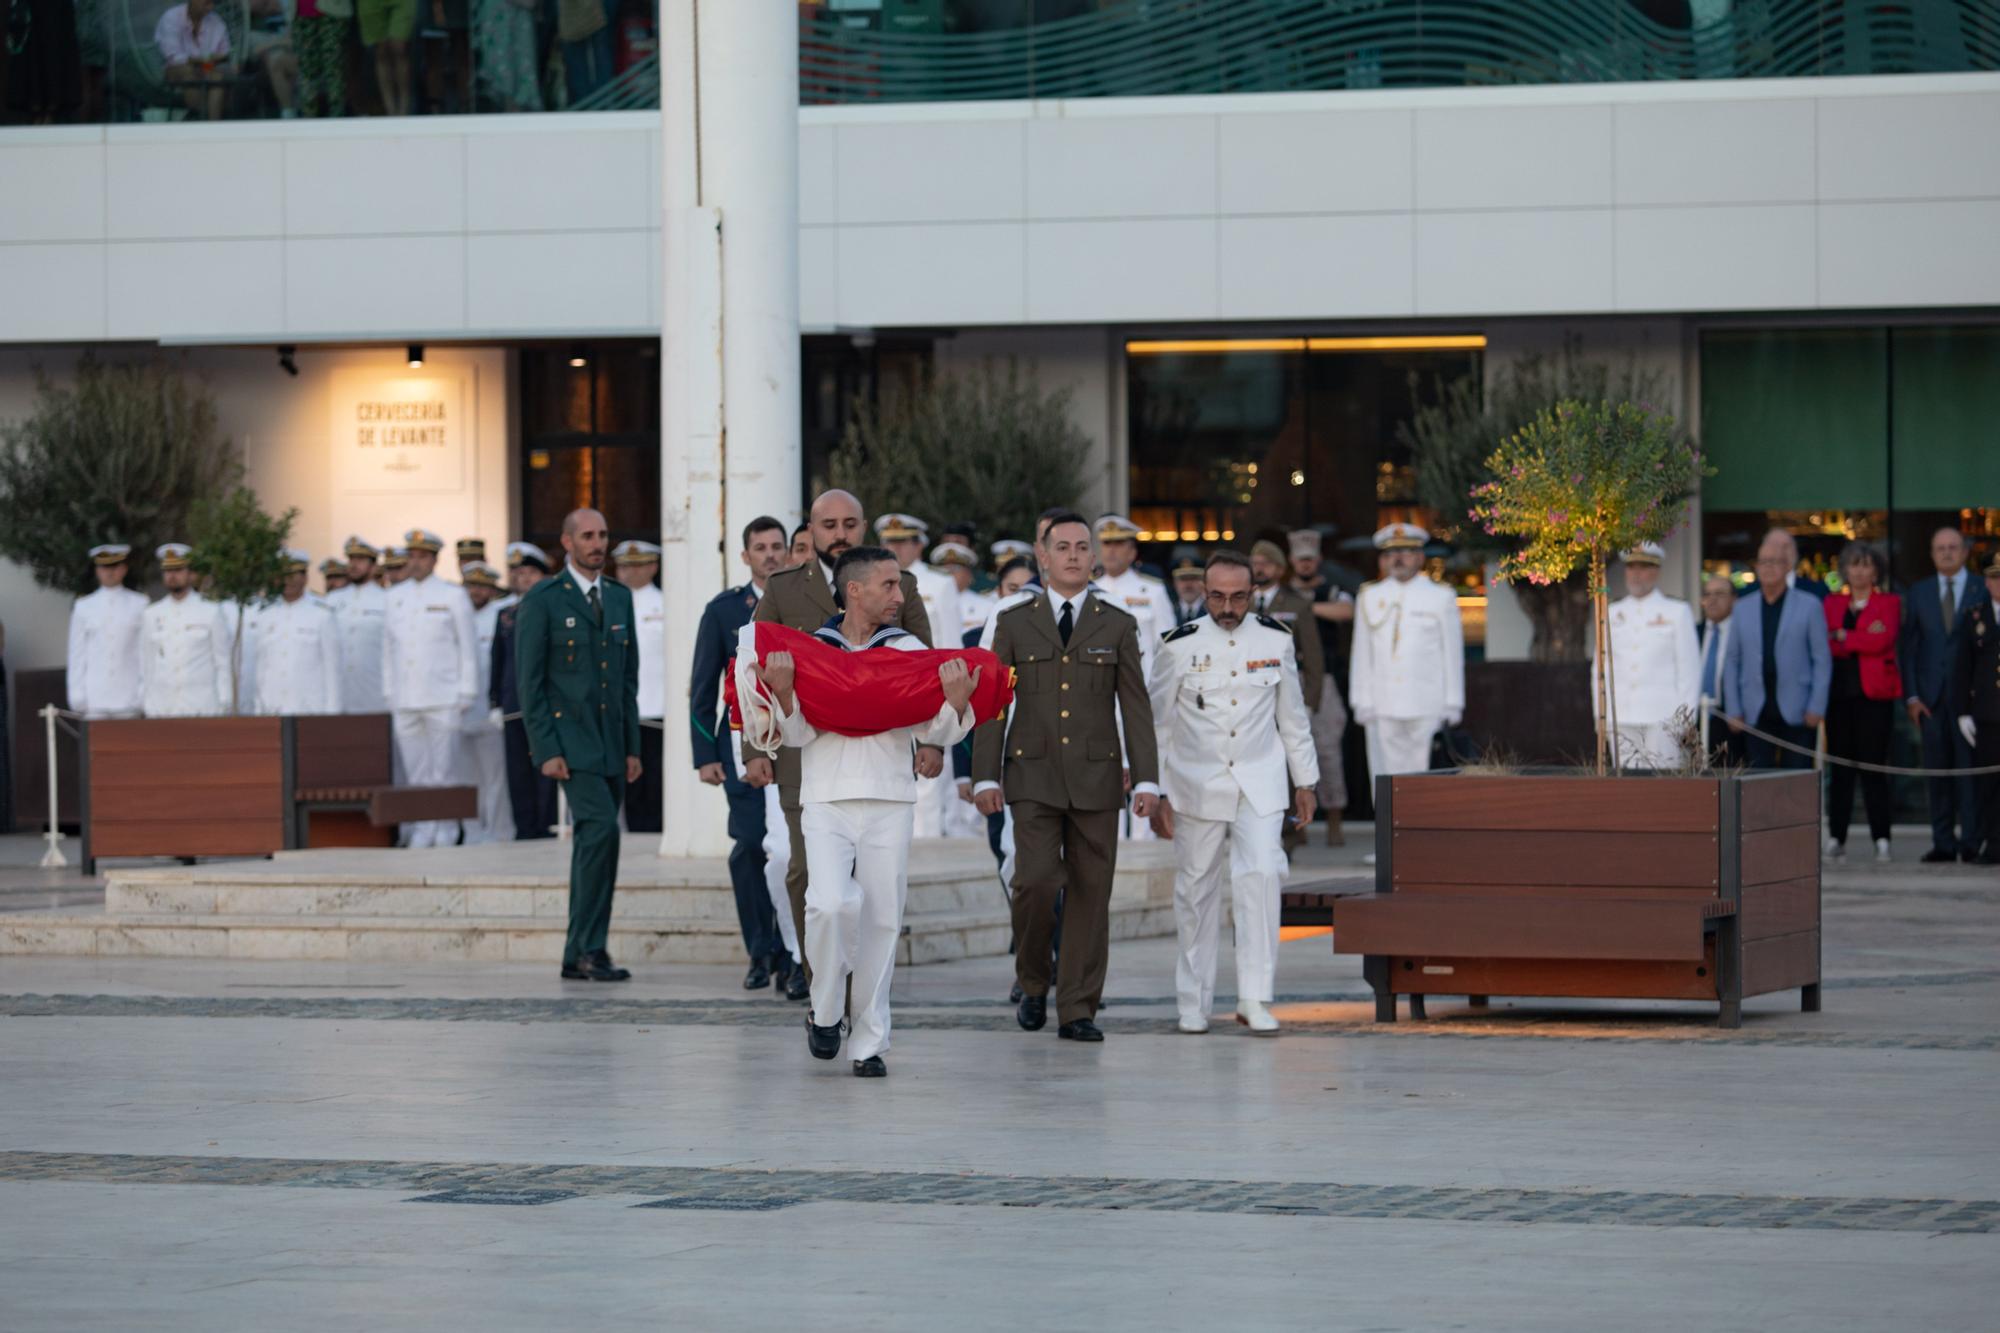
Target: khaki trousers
[{"x": 1071, "y": 855}]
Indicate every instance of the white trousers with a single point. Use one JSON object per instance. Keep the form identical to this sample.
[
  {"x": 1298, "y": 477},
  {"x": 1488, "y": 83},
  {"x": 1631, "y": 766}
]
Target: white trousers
[
  {"x": 932, "y": 795},
  {"x": 1256, "y": 864},
  {"x": 1400, "y": 744},
  {"x": 778, "y": 860},
  {"x": 857, "y": 863},
  {"x": 427, "y": 742},
  {"x": 483, "y": 759},
  {"x": 1648, "y": 745}
]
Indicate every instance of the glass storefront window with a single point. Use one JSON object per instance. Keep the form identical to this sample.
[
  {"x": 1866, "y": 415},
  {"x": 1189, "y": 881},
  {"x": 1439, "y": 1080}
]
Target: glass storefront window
[{"x": 590, "y": 437}]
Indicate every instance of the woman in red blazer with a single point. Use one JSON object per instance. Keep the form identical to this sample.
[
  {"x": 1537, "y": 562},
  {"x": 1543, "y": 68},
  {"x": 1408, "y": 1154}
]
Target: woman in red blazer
[{"x": 1861, "y": 627}]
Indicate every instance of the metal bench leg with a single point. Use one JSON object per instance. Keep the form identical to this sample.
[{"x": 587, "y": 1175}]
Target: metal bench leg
[
  {"x": 1477, "y": 1001},
  {"x": 1375, "y": 971},
  {"x": 1809, "y": 998},
  {"x": 1385, "y": 1007},
  {"x": 1416, "y": 1006}
]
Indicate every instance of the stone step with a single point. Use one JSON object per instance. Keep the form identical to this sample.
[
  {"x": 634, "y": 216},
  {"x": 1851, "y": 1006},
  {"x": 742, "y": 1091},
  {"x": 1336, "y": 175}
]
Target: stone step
[{"x": 928, "y": 937}]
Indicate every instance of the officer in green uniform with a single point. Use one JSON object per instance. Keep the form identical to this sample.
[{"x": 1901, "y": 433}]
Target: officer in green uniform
[{"x": 576, "y": 660}]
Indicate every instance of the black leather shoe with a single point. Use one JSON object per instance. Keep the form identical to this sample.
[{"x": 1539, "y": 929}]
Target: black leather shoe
[
  {"x": 1990, "y": 859},
  {"x": 1033, "y": 1014},
  {"x": 1939, "y": 856},
  {"x": 599, "y": 967},
  {"x": 1971, "y": 856},
  {"x": 798, "y": 988},
  {"x": 779, "y": 965},
  {"x": 872, "y": 1067},
  {"x": 573, "y": 972},
  {"x": 1081, "y": 1030},
  {"x": 824, "y": 1043},
  {"x": 1016, "y": 995},
  {"x": 757, "y": 978}
]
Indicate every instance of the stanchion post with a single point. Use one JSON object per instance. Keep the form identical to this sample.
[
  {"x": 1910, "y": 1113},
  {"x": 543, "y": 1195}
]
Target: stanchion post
[
  {"x": 53, "y": 858},
  {"x": 562, "y": 813}
]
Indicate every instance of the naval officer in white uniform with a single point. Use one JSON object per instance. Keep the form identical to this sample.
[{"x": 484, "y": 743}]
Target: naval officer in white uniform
[
  {"x": 430, "y": 673},
  {"x": 906, "y": 535},
  {"x": 1655, "y": 664},
  {"x": 291, "y": 652},
  {"x": 1236, "y": 757},
  {"x": 1406, "y": 673},
  {"x": 184, "y": 645},
  {"x": 361, "y": 606},
  {"x": 103, "y": 670},
  {"x": 483, "y": 748}
]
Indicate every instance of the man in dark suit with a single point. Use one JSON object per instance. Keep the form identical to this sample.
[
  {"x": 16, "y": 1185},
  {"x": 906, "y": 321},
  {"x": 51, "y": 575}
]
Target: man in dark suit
[
  {"x": 801, "y": 598},
  {"x": 764, "y": 551},
  {"x": 1718, "y": 600},
  {"x": 576, "y": 657},
  {"x": 1777, "y": 667},
  {"x": 1927, "y": 652},
  {"x": 1060, "y": 762},
  {"x": 532, "y": 795},
  {"x": 1976, "y": 705}
]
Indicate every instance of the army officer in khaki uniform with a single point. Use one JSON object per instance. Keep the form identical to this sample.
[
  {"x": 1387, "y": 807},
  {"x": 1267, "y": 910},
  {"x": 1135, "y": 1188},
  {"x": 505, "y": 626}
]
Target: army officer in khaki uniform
[{"x": 1061, "y": 764}]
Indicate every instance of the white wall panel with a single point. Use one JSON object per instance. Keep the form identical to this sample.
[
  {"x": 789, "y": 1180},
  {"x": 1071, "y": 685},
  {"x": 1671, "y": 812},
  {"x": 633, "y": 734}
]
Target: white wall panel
[
  {"x": 908, "y": 275},
  {"x": 1754, "y": 258},
  {"x": 375, "y": 186},
  {"x": 560, "y": 283},
  {"x": 1505, "y": 156},
  {"x": 1682, "y": 153},
  {"x": 200, "y": 189},
  {"x": 196, "y": 289},
  {"x": 1514, "y": 262},
  {"x": 1941, "y": 254},
  {"x": 53, "y": 292},
  {"x": 375, "y": 284},
  {"x": 819, "y": 289},
  {"x": 1080, "y": 272},
  {"x": 949, "y": 171},
  {"x": 50, "y": 192},
  {"x": 817, "y": 174},
  {"x": 1316, "y": 267},
  {"x": 574, "y": 179},
  {"x": 1316, "y": 162},
  {"x": 1910, "y": 147},
  {"x": 1122, "y": 167}
]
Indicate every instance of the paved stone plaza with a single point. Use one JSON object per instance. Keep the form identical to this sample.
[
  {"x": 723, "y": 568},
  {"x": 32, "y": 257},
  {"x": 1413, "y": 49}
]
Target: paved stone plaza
[{"x": 215, "y": 1145}]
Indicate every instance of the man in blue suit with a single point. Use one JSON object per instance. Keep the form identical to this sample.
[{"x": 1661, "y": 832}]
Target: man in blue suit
[
  {"x": 765, "y": 550},
  {"x": 1777, "y": 668},
  {"x": 1794, "y": 580},
  {"x": 1932, "y": 612}
]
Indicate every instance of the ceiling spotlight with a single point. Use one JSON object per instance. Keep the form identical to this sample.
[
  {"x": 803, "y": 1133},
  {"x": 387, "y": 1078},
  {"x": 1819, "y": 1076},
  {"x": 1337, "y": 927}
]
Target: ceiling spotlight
[
  {"x": 285, "y": 361},
  {"x": 416, "y": 355},
  {"x": 579, "y": 356}
]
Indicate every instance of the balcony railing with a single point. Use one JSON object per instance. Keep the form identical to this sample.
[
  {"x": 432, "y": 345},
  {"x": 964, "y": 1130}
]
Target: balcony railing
[{"x": 296, "y": 57}]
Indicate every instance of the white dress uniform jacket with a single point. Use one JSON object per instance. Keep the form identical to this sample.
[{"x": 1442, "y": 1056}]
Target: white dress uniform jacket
[
  {"x": 361, "y": 608},
  {"x": 1146, "y": 600},
  {"x": 103, "y": 674},
  {"x": 649, "y": 616},
  {"x": 1235, "y": 739},
  {"x": 973, "y": 609},
  {"x": 1231, "y": 720},
  {"x": 484, "y": 741},
  {"x": 291, "y": 657},
  {"x": 429, "y": 646},
  {"x": 1408, "y": 658},
  {"x": 184, "y": 658},
  {"x": 1655, "y": 672}
]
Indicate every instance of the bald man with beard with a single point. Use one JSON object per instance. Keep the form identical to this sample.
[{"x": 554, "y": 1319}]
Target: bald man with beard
[{"x": 801, "y": 598}]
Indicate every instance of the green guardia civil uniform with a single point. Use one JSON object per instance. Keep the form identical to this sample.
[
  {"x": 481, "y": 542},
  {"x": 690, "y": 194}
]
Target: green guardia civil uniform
[{"x": 577, "y": 667}]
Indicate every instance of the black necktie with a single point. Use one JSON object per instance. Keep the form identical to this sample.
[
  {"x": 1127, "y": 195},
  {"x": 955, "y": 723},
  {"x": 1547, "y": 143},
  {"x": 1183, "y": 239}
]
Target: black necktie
[
  {"x": 596, "y": 605},
  {"x": 1064, "y": 624}
]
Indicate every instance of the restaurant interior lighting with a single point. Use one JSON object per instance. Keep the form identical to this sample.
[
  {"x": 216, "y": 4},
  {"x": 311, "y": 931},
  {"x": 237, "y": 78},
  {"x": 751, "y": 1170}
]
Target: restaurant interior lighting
[
  {"x": 416, "y": 356},
  {"x": 1399, "y": 342},
  {"x": 579, "y": 356},
  {"x": 1420, "y": 342}
]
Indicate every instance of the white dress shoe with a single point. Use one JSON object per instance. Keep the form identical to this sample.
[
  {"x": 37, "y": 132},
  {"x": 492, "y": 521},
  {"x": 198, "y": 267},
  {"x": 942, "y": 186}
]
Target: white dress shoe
[
  {"x": 1193, "y": 1026},
  {"x": 1369, "y": 859},
  {"x": 1881, "y": 849},
  {"x": 1253, "y": 1015},
  {"x": 1835, "y": 850}
]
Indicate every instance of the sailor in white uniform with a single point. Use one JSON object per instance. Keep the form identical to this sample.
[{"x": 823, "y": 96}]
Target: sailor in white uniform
[
  {"x": 184, "y": 645},
  {"x": 292, "y": 649},
  {"x": 104, "y": 628},
  {"x": 483, "y": 749},
  {"x": 960, "y": 563},
  {"x": 1655, "y": 665},
  {"x": 1236, "y": 757},
  {"x": 1406, "y": 674},
  {"x": 1140, "y": 596},
  {"x": 906, "y": 536},
  {"x": 361, "y": 606},
  {"x": 430, "y": 673}
]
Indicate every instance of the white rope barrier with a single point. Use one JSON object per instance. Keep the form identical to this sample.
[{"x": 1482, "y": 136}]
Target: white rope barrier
[{"x": 1820, "y": 755}]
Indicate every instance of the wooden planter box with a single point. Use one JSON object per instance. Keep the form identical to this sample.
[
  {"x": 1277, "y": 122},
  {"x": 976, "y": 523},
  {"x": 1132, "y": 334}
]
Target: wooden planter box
[{"x": 1636, "y": 887}]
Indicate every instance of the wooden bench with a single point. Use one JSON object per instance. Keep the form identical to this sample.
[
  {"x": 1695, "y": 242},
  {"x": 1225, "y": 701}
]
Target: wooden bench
[
  {"x": 344, "y": 792},
  {"x": 1311, "y": 903},
  {"x": 1650, "y": 887}
]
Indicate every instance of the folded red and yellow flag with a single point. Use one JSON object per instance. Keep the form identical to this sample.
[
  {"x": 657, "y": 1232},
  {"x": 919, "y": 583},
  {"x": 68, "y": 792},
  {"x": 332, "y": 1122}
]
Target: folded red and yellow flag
[{"x": 855, "y": 693}]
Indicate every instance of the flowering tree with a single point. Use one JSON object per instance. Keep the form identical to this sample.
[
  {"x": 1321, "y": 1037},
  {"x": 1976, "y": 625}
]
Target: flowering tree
[{"x": 1580, "y": 482}]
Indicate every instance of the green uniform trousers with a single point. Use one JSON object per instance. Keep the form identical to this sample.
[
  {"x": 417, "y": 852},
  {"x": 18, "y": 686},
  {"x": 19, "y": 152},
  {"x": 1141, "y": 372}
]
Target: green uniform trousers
[{"x": 593, "y": 859}]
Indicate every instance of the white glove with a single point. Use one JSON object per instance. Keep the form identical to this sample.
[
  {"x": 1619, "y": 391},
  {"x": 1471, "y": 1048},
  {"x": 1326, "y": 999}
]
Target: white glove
[
  {"x": 495, "y": 720},
  {"x": 1969, "y": 729},
  {"x": 1453, "y": 719}
]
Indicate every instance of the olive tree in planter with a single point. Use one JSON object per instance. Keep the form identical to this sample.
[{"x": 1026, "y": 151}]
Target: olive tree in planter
[
  {"x": 1575, "y": 486},
  {"x": 239, "y": 555}
]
